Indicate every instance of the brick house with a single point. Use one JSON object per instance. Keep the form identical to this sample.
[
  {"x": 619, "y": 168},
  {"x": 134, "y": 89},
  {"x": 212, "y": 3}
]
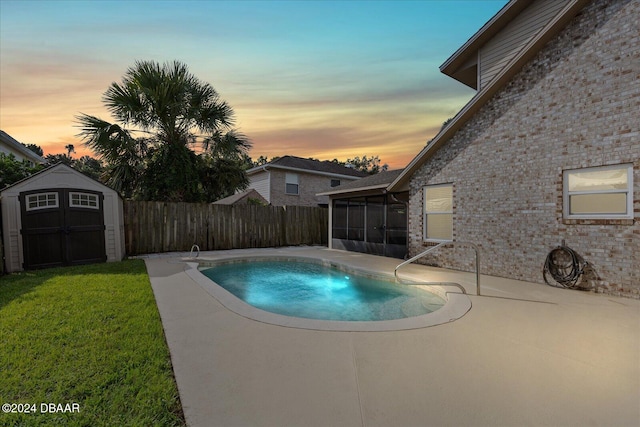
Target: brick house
[
  {"x": 292, "y": 180},
  {"x": 547, "y": 150}
]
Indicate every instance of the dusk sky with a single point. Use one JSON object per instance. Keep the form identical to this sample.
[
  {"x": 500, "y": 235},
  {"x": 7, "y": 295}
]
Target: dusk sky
[{"x": 322, "y": 79}]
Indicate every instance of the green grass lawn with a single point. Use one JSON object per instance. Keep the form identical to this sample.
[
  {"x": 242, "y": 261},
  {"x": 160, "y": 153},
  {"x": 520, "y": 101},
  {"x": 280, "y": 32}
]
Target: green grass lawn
[{"x": 89, "y": 336}]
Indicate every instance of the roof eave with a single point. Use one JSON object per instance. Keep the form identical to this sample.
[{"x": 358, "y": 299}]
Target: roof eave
[
  {"x": 353, "y": 190},
  {"x": 289, "y": 168},
  {"x": 23, "y": 149},
  {"x": 557, "y": 23},
  {"x": 468, "y": 51}
]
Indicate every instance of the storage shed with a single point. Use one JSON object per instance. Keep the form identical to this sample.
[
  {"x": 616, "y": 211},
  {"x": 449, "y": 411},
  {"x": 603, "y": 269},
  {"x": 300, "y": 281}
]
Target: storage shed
[{"x": 60, "y": 217}]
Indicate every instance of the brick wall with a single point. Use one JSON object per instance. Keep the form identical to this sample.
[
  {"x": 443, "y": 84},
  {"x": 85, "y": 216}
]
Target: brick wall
[
  {"x": 308, "y": 186},
  {"x": 575, "y": 105}
]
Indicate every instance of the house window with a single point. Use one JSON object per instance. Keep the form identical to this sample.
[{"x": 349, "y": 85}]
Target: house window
[
  {"x": 291, "y": 183},
  {"x": 42, "y": 201},
  {"x": 335, "y": 182},
  {"x": 83, "y": 200},
  {"x": 438, "y": 212},
  {"x": 598, "y": 193}
]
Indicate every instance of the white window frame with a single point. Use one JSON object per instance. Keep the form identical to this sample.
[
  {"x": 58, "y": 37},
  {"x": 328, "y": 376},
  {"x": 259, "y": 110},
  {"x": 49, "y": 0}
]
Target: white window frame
[
  {"x": 566, "y": 194},
  {"x": 425, "y": 214},
  {"x": 87, "y": 196},
  {"x": 291, "y": 179},
  {"x": 46, "y": 200}
]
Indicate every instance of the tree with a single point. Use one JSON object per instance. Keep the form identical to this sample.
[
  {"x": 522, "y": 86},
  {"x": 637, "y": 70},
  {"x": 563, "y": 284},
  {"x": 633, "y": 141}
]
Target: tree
[
  {"x": 262, "y": 160},
  {"x": 13, "y": 170},
  {"x": 52, "y": 159},
  {"x": 164, "y": 113},
  {"x": 35, "y": 148},
  {"x": 370, "y": 165},
  {"x": 70, "y": 149},
  {"x": 89, "y": 166}
]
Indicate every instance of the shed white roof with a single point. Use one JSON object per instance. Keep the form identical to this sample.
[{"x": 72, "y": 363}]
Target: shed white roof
[{"x": 56, "y": 176}]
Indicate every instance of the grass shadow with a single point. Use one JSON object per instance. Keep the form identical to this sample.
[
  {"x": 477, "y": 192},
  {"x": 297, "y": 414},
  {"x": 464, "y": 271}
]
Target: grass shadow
[{"x": 14, "y": 286}]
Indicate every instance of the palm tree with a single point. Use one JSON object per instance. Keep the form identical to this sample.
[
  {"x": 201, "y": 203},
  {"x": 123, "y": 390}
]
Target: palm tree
[
  {"x": 163, "y": 113},
  {"x": 70, "y": 149}
]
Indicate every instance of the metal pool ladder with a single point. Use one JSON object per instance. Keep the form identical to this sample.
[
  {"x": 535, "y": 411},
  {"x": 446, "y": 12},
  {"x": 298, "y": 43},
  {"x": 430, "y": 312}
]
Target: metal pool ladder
[
  {"x": 439, "y": 245},
  {"x": 197, "y": 249}
]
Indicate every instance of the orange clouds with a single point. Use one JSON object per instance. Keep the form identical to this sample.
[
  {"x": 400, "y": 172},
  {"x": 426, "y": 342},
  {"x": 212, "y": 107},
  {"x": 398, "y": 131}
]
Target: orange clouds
[
  {"x": 393, "y": 129},
  {"x": 41, "y": 94},
  {"x": 313, "y": 79}
]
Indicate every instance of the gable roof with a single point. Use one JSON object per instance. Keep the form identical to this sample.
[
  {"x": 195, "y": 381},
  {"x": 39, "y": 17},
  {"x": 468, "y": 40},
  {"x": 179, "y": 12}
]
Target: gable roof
[
  {"x": 557, "y": 23},
  {"x": 299, "y": 164},
  {"x": 501, "y": 38},
  {"x": 7, "y": 140},
  {"x": 380, "y": 180},
  {"x": 242, "y": 196},
  {"x": 462, "y": 64},
  {"x": 58, "y": 167}
]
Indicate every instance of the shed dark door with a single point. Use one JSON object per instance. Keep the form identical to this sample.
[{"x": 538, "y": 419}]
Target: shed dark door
[{"x": 62, "y": 227}]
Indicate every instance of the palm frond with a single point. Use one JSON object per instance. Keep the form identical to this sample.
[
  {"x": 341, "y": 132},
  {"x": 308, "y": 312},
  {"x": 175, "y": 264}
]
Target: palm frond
[
  {"x": 231, "y": 144},
  {"x": 109, "y": 141},
  {"x": 122, "y": 153}
]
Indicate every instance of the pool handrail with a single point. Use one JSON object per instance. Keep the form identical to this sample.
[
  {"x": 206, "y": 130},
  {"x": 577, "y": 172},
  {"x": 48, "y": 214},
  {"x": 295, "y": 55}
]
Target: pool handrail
[
  {"x": 431, "y": 249},
  {"x": 197, "y": 248}
]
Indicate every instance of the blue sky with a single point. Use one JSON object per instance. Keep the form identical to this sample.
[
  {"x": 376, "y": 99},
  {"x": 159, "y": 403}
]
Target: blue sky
[{"x": 323, "y": 79}]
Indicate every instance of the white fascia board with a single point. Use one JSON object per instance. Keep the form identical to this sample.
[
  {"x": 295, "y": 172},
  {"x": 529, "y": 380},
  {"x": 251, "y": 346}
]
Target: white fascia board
[
  {"x": 353, "y": 190},
  {"x": 310, "y": 171}
]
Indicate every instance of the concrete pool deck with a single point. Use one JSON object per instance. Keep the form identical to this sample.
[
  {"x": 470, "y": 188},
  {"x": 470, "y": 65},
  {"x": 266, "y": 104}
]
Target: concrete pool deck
[{"x": 525, "y": 354}]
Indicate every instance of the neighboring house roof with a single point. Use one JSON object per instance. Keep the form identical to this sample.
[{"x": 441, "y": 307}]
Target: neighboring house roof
[
  {"x": 380, "y": 180},
  {"x": 299, "y": 164},
  {"x": 7, "y": 140},
  {"x": 528, "y": 51},
  {"x": 241, "y": 198}
]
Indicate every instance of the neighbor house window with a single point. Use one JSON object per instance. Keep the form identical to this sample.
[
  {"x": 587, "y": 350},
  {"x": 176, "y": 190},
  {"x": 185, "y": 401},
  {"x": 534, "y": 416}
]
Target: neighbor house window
[
  {"x": 83, "y": 200},
  {"x": 42, "y": 201},
  {"x": 598, "y": 193},
  {"x": 438, "y": 212},
  {"x": 335, "y": 182},
  {"x": 291, "y": 183}
]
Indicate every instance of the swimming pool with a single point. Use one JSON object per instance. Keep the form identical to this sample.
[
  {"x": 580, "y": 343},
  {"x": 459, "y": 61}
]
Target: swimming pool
[
  {"x": 455, "y": 305},
  {"x": 315, "y": 291}
]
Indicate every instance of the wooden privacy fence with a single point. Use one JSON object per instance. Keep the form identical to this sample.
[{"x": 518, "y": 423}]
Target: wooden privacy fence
[{"x": 152, "y": 227}]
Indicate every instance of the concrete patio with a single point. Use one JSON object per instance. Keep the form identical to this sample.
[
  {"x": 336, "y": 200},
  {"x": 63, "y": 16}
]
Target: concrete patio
[{"x": 525, "y": 354}]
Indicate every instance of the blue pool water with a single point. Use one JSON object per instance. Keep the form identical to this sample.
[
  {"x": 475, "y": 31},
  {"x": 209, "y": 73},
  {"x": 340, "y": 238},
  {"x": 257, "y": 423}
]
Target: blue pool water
[{"x": 313, "y": 291}]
